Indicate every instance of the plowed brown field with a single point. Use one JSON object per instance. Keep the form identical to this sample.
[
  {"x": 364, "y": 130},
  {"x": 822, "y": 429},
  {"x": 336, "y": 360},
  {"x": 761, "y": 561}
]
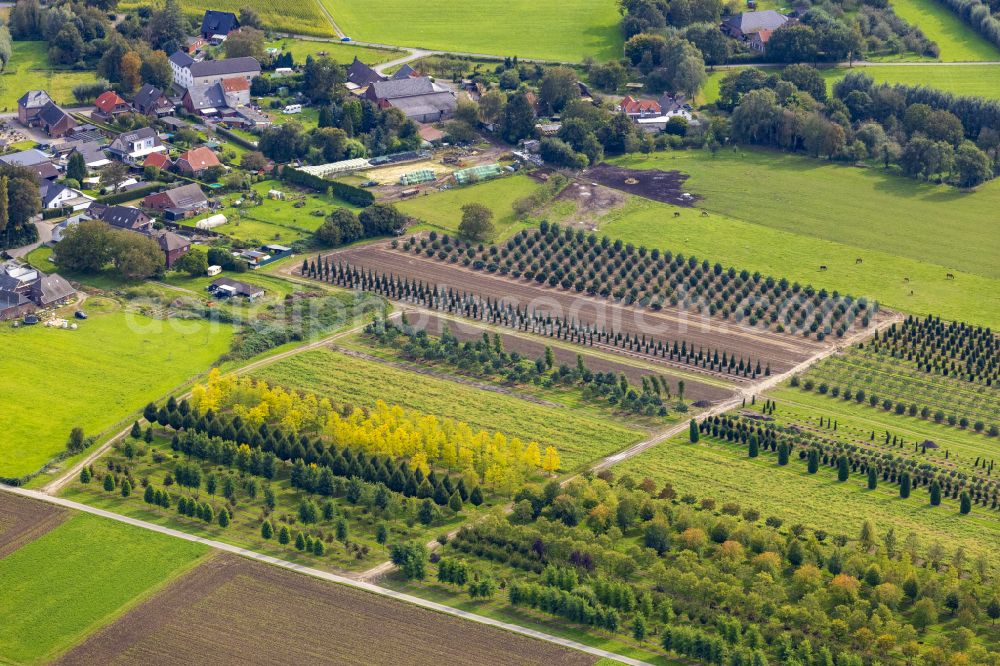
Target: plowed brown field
[
  {"x": 781, "y": 350},
  {"x": 23, "y": 520},
  {"x": 236, "y": 611}
]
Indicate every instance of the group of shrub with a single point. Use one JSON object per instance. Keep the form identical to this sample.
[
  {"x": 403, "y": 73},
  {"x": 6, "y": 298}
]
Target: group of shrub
[
  {"x": 626, "y": 559},
  {"x": 574, "y": 260},
  {"x": 889, "y": 465},
  {"x": 486, "y": 358},
  {"x": 899, "y": 407},
  {"x": 952, "y": 349},
  {"x": 501, "y": 313}
]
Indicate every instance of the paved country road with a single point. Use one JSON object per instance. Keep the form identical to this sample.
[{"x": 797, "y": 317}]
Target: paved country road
[{"x": 324, "y": 575}]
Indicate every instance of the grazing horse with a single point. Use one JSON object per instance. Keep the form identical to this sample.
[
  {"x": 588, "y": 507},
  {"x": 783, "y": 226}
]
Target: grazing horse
[
  {"x": 704, "y": 213},
  {"x": 950, "y": 276},
  {"x": 822, "y": 268},
  {"x": 906, "y": 279},
  {"x": 857, "y": 261},
  {"x": 677, "y": 213}
]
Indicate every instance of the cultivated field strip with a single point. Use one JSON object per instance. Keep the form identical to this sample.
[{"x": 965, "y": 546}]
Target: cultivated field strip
[
  {"x": 234, "y": 610},
  {"x": 323, "y": 575},
  {"x": 24, "y": 520},
  {"x": 780, "y": 351},
  {"x": 533, "y": 348}
]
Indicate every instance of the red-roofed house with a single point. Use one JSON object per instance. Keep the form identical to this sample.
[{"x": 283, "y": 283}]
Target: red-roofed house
[
  {"x": 159, "y": 160},
  {"x": 237, "y": 91},
  {"x": 108, "y": 106},
  {"x": 639, "y": 108},
  {"x": 196, "y": 161},
  {"x": 758, "y": 40}
]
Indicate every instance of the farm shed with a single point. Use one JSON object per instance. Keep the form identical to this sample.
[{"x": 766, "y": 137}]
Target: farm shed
[
  {"x": 478, "y": 173},
  {"x": 212, "y": 221}
]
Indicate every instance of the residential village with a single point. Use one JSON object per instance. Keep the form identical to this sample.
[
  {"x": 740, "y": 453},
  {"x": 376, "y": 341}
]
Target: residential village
[
  {"x": 236, "y": 147},
  {"x": 171, "y": 163}
]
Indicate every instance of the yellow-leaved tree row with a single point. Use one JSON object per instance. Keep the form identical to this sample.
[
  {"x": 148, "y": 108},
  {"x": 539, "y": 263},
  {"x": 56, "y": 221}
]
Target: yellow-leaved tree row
[{"x": 498, "y": 461}]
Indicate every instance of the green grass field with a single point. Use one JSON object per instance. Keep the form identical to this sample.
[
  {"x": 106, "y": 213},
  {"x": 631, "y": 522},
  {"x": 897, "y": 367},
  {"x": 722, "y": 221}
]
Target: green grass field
[
  {"x": 976, "y": 80},
  {"x": 29, "y": 68},
  {"x": 567, "y": 31},
  {"x": 303, "y": 17},
  {"x": 443, "y": 210},
  {"x": 723, "y": 472},
  {"x": 79, "y": 577},
  {"x": 336, "y": 51},
  {"x": 92, "y": 377},
  {"x": 579, "y": 438},
  {"x": 958, "y": 42},
  {"x": 769, "y": 215},
  {"x": 275, "y": 221}
]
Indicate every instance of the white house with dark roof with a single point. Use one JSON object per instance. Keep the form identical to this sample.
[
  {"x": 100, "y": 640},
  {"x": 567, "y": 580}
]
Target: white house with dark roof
[
  {"x": 57, "y": 195},
  {"x": 134, "y": 146},
  {"x": 189, "y": 72}
]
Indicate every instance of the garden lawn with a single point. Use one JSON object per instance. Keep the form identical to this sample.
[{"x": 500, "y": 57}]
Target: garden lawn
[
  {"x": 303, "y": 17},
  {"x": 568, "y": 31},
  {"x": 78, "y": 577},
  {"x": 275, "y": 220},
  {"x": 787, "y": 215},
  {"x": 723, "y": 471},
  {"x": 107, "y": 369},
  {"x": 345, "y": 379},
  {"x": 443, "y": 210},
  {"x": 971, "y": 79},
  {"x": 958, "y": 42},
  {"x": 336, "y": 51},
  {"x": 29, "y": 68}
]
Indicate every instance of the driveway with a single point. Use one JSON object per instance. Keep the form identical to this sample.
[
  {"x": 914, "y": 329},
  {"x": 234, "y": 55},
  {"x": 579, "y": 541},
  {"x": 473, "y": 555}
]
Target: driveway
[{"x": 44, "y": 236}]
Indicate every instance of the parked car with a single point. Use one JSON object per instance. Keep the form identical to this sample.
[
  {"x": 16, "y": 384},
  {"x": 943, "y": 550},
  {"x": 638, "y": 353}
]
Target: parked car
[
  {"x": 345, "y": 38},
  {"x": 80, "y": 314}
]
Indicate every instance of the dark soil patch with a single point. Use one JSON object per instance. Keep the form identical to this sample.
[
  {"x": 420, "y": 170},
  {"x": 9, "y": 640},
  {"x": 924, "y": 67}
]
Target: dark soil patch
[
  {"x": 23, "y": 520},
  {"x": 663, "y": 186},
  {"x": 592, "y": 202},
  {"x": 236, "y": 611}
]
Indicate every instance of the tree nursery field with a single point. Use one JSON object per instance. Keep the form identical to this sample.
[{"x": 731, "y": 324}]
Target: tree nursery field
[
  {"x": 590, "y": 332},
  {"x": 903, "y": 266}
]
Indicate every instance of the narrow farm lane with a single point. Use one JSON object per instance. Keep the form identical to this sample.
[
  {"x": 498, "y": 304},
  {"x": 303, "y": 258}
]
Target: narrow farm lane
[
  {"x": 745, "y": 392},
  {"x": 323, "y": 575}
]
